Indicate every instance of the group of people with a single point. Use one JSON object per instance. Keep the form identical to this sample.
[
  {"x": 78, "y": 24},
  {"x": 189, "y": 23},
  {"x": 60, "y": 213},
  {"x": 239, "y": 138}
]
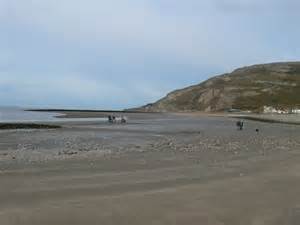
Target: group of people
[{"x": 114, "y": 119}]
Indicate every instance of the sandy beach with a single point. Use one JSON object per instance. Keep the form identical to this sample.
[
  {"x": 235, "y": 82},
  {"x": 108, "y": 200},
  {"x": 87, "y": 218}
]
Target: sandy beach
[{"x": 158, "y": 169}]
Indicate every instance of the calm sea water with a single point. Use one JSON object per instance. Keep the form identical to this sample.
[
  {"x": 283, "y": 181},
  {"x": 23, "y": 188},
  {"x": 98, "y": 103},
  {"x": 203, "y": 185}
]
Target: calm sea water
[{"x": 16, "y": 115}]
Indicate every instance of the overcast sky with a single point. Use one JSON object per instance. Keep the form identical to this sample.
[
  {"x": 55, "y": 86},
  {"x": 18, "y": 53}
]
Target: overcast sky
[{"x": 116, "y": 54}]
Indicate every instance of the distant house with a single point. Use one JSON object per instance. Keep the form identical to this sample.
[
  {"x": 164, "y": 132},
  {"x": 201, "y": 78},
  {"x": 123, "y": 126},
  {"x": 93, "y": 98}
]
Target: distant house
[
  {"x": 296, "y": 111},
  {"x": 270, "y": 109}
]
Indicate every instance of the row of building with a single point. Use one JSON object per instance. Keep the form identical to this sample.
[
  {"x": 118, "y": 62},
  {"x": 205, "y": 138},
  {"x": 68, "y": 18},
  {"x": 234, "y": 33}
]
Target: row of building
[{"x": 271, "y": 109}]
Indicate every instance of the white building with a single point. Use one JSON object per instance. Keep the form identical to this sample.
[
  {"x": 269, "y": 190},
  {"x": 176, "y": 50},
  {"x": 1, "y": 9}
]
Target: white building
[
  {"x": 270, "y": 109},
  {"x": 295, "y": 111}
]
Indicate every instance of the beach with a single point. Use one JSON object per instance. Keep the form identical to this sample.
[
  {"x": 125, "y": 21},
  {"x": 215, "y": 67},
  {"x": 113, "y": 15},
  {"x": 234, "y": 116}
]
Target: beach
[{"x": 159, "y": 168}]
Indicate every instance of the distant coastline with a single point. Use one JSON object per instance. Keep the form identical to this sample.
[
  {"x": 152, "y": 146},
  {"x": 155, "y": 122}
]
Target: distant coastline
[
  {"x": 88, "y": 113},
  {"x": 72, "y": 110},
  {"x": 84, "y": 110},
  {"x": 293, "y": 119}
]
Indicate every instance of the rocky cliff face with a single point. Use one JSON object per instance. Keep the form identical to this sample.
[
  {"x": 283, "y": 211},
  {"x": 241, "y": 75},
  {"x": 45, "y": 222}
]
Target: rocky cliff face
[{"x": 248, "y": 88}]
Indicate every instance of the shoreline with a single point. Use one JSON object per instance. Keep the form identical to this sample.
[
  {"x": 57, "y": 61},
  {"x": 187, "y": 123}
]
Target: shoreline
[
  {"x": 74, "y": 113},
  {"x": 266, "y": 120},
  {"x": 292, "y": 119},
  {"x": 86, "y": 111}
]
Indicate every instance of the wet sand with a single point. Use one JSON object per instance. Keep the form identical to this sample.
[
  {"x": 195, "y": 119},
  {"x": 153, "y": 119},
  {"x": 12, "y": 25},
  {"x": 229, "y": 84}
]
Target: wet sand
[
  {"x": 157, "y": 169},
  {"x": 273, "y": 118}
]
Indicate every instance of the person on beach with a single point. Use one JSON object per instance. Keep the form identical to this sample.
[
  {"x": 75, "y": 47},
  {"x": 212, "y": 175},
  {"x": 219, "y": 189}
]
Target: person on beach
[
  {"x": 240, "y": 125},
  {"x": 110, "y": 119},
  {"x": 123, "y": 119}
]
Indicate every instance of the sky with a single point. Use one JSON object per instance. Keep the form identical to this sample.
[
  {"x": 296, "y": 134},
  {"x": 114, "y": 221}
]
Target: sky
[{"x": 117, "y": 54}]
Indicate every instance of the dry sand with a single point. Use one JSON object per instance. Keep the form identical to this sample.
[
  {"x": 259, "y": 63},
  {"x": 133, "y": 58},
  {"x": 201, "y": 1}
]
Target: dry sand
[{"x": 157, "y": 169}]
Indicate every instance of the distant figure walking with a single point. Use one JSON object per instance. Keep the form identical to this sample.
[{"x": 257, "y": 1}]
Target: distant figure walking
[
  {"x": 111, "y": 119},
  {"x": 240, "y": 125},
  {"x": 257, "y": 130}
]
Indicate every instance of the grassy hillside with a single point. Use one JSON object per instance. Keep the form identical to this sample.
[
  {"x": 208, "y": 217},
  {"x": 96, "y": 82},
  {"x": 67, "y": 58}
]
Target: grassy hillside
[{"x": 248, "y": 88}]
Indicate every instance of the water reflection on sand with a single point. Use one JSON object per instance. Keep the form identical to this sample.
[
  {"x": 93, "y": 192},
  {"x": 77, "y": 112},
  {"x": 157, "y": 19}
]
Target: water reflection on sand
[{"x": 19, "y": 115}]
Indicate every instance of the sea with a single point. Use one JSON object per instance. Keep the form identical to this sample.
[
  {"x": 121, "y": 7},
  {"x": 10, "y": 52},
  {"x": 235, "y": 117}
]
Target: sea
[{"x": 21, "y": 115}]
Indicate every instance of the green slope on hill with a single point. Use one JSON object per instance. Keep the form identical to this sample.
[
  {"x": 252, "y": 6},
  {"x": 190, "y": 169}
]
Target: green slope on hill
[{"x": 248, "y": 88}]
